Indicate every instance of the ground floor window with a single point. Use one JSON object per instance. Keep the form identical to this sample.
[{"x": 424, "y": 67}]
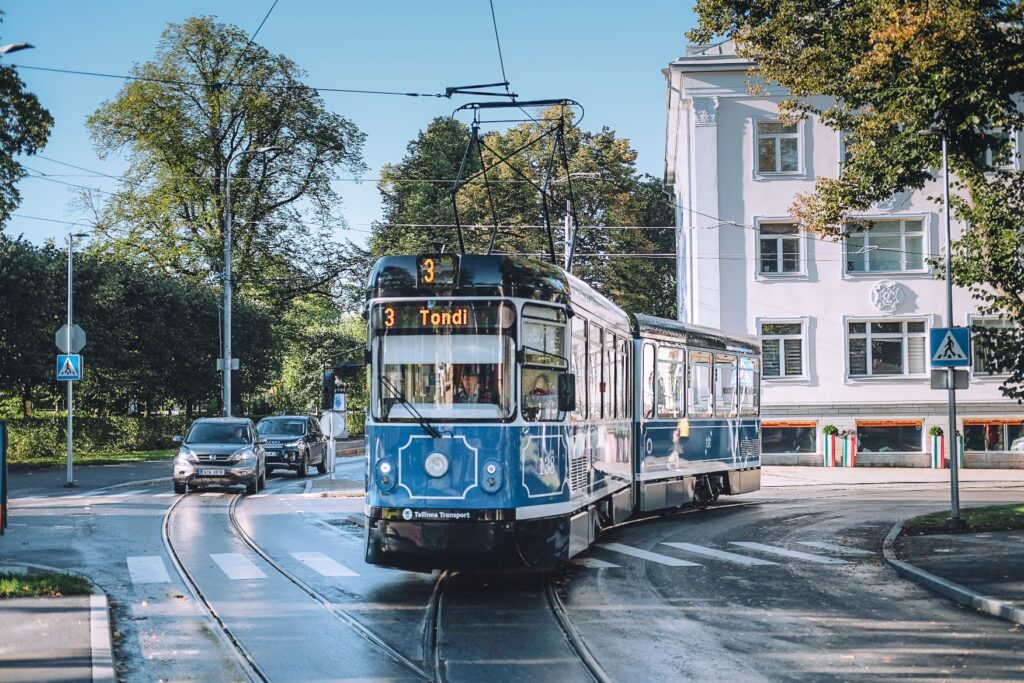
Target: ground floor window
[
  {"x": 994, "y": 435},
  {"x": 889, "y": 436},
  {"x": 788, "y": 437}
]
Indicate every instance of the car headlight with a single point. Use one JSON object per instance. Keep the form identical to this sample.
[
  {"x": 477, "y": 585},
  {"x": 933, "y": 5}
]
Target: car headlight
[
  {"x": 186, "y": 454},
  {"x": 244, "y": 454},
  {"x": 293, "y": 444},
  {"x": 386, "y": 474}
]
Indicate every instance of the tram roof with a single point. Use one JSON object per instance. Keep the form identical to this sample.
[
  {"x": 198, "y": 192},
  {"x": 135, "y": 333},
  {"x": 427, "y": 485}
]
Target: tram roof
[
  {"x": 690, "y": 334},
  {"x": 477, "y": 275}
]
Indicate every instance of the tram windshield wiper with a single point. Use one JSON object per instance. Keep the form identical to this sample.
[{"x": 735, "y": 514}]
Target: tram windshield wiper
[{"x": 397, "y": 393}]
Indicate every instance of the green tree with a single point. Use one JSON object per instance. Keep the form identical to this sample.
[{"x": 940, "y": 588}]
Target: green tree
[
  {"x": 890, "y": 69},
  {"x": 607, "y": 191},
  {"x": 208, "y": 100},
  {"x": 25, "y": 130}
]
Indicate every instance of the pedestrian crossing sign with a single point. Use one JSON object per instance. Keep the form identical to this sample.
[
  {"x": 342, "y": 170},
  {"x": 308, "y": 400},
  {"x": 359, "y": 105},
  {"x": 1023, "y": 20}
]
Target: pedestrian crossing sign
[
  {"x": 951, "y": 347},
  {"x": 69, "y": 367}
]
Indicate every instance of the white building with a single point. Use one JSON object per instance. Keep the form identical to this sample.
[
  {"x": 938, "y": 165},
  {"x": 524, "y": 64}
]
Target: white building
[{"x": 844, "y": 325}]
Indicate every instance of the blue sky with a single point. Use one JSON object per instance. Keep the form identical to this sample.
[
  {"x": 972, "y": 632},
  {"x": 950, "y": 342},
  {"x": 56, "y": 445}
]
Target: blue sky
[{"x": 607, "y": 55}]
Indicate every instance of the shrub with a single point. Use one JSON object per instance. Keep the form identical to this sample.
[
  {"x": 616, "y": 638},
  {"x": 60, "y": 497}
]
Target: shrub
[{"x": 45, "y": 437}]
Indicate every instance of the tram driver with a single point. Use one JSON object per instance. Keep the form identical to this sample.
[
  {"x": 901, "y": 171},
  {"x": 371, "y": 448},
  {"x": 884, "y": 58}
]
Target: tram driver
[{"x": 470, "y": 390}]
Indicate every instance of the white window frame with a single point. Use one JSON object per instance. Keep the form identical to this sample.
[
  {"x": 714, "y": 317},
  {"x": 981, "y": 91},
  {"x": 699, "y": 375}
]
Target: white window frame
[
  {"x": 804, "y": 348},
  {"x": 800, "y": 150},
  {"x": 904, "y": 272},
  {"x": 801, "y": 272},
  {"x": 1014, "y": 162},
  {"x": 929, "y": 322},
  {"x": 974, "y": 319},
  {"x": 841, "y": 140}
]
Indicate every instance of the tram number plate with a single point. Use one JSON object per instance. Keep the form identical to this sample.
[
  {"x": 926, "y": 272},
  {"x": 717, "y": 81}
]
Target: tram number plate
[{"x": 210, "y": 472}]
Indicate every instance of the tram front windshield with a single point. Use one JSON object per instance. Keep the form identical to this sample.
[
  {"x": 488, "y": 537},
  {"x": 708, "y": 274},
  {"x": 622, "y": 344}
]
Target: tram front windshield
[{"x": 445, "y": 360}]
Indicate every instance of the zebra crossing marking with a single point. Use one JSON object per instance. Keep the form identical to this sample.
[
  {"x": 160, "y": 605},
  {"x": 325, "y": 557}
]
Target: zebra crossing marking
[
  {"x": 166, "y": 494},
  {"x": 323, "y": 565},
  {"x": 237, "y": 567},
  {"x": 593, "y": 563},
  {"x": 719, "y": 554},
  {"x": 841, "y": 549},
  {"x": 212, "y": 494},
  {"x": 147, "y": 569},
  {"x": 775, "y": 550},
  {"x": 647, "y": 555}
]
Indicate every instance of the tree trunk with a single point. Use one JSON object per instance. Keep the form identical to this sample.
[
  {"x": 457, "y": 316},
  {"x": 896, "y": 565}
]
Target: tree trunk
[{"x": 26, "y": 400}]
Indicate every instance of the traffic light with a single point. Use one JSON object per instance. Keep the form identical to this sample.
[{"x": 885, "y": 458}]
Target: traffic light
[{"x": 327, "y": 391}]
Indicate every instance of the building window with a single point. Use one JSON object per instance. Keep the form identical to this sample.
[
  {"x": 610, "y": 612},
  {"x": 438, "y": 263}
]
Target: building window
[
  {"x": 782, "y": 349},
  {"x": 988, "y": 342},
  {"x": 778, "y": 147},
  {"x": 886, "y": 347},
  {"x": 894, "y": 436},
  {"x": 994, "y": 435},
  {"x": 779, "y": 247},
  {"x": 786, "y": 437},
  {"x": 1002, "y": 153},
  {"x": 886, "y": 246}
]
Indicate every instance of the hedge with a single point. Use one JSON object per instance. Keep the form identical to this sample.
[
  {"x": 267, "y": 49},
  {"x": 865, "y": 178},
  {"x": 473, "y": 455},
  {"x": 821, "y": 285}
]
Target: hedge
[{"x": 46, "y": 437}]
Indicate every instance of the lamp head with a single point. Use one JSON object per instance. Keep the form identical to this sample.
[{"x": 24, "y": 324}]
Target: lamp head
[{"x": 14, "y": 47}]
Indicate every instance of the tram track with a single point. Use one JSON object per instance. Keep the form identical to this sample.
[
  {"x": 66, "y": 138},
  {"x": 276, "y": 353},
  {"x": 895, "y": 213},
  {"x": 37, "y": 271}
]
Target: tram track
[{"x": 572, "y": 636}]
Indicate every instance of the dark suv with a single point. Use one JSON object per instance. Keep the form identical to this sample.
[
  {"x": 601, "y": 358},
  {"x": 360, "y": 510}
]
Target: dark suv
[
  {"x": 294, "y": 442},
  {"x": 220, "y": 451}
]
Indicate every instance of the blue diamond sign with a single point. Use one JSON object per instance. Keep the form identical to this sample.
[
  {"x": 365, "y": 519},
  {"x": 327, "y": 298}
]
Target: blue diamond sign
[
  {"x": 950, "y": 347},
  {"x": 69, "y": 367}
]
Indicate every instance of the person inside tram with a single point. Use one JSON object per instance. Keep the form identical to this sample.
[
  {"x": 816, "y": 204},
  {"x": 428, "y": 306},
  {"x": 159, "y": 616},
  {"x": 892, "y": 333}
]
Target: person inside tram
[
  {"x": 470, "y": 389},
  {"x": 541, "y": 387}
]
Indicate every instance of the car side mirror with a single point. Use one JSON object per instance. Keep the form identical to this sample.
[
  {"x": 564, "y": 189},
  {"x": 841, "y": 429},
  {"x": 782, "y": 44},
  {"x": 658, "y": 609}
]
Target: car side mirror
[
  {"x": 567, "y": 392},
  {"x": 261, "y": 439},
  {"x": 178, "y": 438}
]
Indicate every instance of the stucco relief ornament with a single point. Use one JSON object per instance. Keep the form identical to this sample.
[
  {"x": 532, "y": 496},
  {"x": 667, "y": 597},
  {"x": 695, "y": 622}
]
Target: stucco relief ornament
[
  {"x": 704, "y": 110},
  {"x": 887, "y": 295}
]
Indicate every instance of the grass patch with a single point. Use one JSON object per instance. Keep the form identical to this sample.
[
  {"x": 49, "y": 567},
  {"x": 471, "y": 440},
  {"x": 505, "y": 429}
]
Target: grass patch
[
  {"x": 992, "y": 518},
  {"x": 42, "y": 584},
  {"x": 111, "y": 458}
]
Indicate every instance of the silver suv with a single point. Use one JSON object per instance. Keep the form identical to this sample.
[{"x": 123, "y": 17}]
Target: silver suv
[{"x": 220, "y": 451}]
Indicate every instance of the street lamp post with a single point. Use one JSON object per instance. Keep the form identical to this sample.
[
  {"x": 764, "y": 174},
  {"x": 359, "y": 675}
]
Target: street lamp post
[
  {"x": 70, "y": 432},
  {"x": 226, "y": 359},
  {"x": 954, "y": 521}
]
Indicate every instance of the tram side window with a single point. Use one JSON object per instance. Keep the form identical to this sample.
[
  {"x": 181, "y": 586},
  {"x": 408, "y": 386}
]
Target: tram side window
[
  {"x": 749, "y": 386},
  {"x": 611, "y": 398},
  {"x": 700, "y": 384},
  {"x": 579, "y": 365},
  {"x": 671, "y": 382},
  {"x": 648, "y": 380},
  {"x": 595, "y": 372},
  {"x": 725, "y": 385},
  {"x": 543, "y": 362}
]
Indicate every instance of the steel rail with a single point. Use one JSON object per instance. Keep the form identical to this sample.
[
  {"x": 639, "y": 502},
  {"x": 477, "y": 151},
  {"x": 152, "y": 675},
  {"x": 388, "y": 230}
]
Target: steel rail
[
  {"x": 244, "y": 657},
  {"x": 572, "y": 636},
  {"x": 432, "y": 628},
  {"x": 340, "y": 614}
]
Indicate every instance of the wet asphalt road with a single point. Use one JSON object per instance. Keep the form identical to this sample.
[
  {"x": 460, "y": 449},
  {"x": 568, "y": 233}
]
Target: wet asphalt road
[{"x": 752, "y": 614}]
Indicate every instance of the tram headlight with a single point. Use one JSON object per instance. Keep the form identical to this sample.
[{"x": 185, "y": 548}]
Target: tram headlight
[
  {"x": 386, "y": 474},
  {"x": 493, "y": 476},
  {"x": 436, "y": 465}
]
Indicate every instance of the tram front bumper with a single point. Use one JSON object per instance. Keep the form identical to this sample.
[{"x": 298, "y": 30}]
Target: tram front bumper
[{"x": 501, "y": 543}]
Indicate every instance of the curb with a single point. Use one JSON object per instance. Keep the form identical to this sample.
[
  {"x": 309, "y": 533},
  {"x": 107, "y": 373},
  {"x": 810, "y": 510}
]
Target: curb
[
  {"x": 100, "y": 637},
  {"x": 954, "y": 591}
]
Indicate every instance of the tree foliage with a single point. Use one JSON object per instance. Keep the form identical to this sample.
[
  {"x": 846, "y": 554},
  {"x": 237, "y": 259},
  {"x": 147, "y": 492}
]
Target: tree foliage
[
  {"x": 25, "y": 129},
  {"x": 891, "y": 69},
  {"x": 608, "y": 194},
  {"x": 203, "y": 106}
]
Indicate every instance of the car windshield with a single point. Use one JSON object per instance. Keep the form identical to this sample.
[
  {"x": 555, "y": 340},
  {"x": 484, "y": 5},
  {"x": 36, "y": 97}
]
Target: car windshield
[
  {"x": 282, "y": 427},
  {"x": 217, "y": 432}
]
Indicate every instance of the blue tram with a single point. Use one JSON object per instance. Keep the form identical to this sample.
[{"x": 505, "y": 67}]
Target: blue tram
[{"x": 515, "y": 412}]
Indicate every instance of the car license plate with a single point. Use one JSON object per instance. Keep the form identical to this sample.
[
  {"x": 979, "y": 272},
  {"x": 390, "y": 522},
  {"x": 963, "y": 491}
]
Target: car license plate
[{"x": 210, "y": 472}]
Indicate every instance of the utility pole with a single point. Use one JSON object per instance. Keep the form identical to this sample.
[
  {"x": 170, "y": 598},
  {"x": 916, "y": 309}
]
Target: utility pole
[{"x": 70, "y": 430}]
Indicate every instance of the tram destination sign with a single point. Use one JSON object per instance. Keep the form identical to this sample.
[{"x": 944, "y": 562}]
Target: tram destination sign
[
  {"x": 444, "y": 316},
  {"x": 437, "y": 271}
]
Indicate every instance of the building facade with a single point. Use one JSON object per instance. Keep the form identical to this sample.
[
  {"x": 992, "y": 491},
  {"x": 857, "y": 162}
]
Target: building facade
[{"x": 843, "y": 323}]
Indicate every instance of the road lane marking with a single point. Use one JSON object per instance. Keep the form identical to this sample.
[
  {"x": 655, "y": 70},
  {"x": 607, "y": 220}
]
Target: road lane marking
[
  {"x": 647, "y": 555},
  {"x": 796, "y": 554},
  {"x": 148, "y": 569},
  {"x": 237, "y": 566},
  {"x": 593, "y": 563},
  {"x": 125, "y": 494},
  {"x": 719, "y": 554},
  {"x": 212, "y": 494},
  {"x": 323, "y": 565},
  {"x": 841, "y": 549},
  {"x": 164, "y": 495}
]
